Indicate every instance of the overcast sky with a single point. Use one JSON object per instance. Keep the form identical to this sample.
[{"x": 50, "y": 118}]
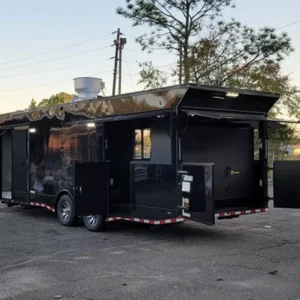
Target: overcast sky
[{"x": 33, "y": 27}]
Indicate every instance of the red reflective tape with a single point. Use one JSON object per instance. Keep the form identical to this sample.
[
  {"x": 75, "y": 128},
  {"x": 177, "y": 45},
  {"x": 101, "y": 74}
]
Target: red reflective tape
[
  {"x": 179, "y": 219},
  {"x": 42, "y": 205},
  {"x": 242, "y": 212}
]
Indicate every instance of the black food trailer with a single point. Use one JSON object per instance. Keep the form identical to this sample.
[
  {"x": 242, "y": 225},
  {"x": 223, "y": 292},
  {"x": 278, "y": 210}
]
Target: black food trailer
[{"x": 159, "y": 156}]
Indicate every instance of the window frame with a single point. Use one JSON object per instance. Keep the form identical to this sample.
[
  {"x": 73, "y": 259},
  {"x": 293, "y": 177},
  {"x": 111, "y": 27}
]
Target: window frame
[{"x": 141, "y": 143}]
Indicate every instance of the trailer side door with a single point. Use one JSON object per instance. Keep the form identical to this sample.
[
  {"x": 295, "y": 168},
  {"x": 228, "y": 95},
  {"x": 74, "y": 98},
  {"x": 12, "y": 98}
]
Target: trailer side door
[
  {"x": 197, "y": 192},
  {"x": 91, "y": 188},
  {"x": 286, "y": 184}
]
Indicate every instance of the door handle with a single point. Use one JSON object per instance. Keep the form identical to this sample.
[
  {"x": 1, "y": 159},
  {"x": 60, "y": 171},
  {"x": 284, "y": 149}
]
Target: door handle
[
  {"x": 232, "y": 172},
  {"x": 79, "y": 188}
]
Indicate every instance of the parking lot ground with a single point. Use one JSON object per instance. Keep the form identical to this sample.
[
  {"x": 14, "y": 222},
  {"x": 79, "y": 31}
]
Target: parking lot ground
[{"x": 251, "y": 257}]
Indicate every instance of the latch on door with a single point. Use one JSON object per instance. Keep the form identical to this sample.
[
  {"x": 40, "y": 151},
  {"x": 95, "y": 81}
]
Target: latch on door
[
  {"x": 79, "y": 188},
  {"x": 233, "y": 172}
]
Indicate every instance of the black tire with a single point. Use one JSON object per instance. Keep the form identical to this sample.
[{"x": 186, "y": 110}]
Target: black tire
[
  {"x": 65, "y": 211},
  {"x": 94, "y": 223},
  {"x": 24, "y": 206}
]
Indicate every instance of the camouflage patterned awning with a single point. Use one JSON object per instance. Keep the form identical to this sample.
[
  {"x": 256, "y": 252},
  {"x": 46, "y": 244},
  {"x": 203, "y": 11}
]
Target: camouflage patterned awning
[{"x": 193, "y": 96}]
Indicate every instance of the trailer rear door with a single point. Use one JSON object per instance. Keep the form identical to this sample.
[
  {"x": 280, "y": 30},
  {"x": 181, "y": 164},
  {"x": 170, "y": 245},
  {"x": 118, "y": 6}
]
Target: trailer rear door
[
  {"x": 20, "y": 169},
  {"x": 286, "y": 184},
  {"x": 197, "y": 192},
  {"x": 91, "y": 188}
]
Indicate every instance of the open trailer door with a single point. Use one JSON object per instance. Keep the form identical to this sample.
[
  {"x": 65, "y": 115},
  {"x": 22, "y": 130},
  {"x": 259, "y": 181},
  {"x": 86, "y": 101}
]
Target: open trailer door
[
  {"x": 20, "y": 164},
  {"x": 286, "y": 173},
  {"x": 286, "y": 181},
  {"x": 91, "y": 188},
  {"x": 197, "y": 192}
]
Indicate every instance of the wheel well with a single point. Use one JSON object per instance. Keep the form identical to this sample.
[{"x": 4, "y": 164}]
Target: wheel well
[{"x": 60, "y": 194}]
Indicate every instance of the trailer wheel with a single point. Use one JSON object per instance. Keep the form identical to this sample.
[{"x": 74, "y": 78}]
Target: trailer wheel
[
  {"x": 94, "y": 223},
  {"x": 65, "y": 211}
]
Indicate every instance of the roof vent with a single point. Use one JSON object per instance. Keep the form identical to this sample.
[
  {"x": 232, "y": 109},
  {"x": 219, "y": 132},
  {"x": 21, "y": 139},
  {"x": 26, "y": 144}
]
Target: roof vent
[{"x": 87, "y": 88}]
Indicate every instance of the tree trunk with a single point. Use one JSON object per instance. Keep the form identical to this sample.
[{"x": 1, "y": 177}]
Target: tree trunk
[
  {"x": 185, "y": 62},
  {"x": 186, "y": 44},
  {"x": 180, "y": 65}
]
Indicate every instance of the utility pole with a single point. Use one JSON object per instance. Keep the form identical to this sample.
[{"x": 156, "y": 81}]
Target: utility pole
[
  {"x": 116, "y": 43},
  {"x": 123, "y": 41}
]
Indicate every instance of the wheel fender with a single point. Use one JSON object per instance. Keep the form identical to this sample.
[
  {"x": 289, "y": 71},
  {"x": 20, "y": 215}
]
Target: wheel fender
[{"x": 61, "y": 193}]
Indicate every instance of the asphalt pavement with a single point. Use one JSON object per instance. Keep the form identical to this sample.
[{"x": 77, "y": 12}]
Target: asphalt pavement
[{"x": 251, "y": 257}]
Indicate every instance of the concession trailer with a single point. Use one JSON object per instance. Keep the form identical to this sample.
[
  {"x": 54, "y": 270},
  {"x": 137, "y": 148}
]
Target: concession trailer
[{"x": 158, "y": 156}]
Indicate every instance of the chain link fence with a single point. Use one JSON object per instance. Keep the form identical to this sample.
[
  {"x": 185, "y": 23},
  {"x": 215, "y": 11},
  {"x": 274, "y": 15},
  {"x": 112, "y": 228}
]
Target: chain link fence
[{"x": 283, "y": 144}]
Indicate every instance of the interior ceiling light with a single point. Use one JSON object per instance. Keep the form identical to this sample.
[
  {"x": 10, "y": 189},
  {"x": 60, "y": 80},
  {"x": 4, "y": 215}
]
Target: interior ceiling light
[
  {"x": 32, "y": 130},
  {"x": 218, "y": 97},
  {"x": 91, "y": 125},
  {"x": 232, "y": 94}
]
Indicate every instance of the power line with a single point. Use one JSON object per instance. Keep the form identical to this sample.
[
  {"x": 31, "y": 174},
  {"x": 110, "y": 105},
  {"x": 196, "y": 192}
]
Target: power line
[
  {"x": 46, "y": 84},
  {"x": 129, "y": 74},
  {"x": 288, "y": 25},
  {"x": 55, "y": 50},
  {"x": 158, "y": 67},
  {"x": 131, "y": 62},
  {"x": 148, "y": 38},
  {"x": 60, "y": 82},
  {"x": 156, "y": 53},
  {"x": 53, "y": 70},
  {"x": 54, "y": 59}
]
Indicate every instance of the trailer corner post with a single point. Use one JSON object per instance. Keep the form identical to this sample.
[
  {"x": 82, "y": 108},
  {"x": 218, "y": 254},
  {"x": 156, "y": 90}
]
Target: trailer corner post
[{"x": 263, "y": 158}]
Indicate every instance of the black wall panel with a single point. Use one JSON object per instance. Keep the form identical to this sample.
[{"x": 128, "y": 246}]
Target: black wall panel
[{"x": 227, "y": 148}]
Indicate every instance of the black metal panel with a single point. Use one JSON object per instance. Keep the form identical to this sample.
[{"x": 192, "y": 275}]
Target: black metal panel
[
  {"x": 20, "y": 172},
  {"x": 258, "y": 196},
  {"x": 161, "y": 142},
  {"x": 6, "y": 158},
  {"x": 75, "y": 139},
  {"x": 263, "y": 158},
  {"x": 199, "y": 202},
  {"x": 91, "y": 188},
  {"x": 119, "y": 152},
  {"x": 229, "y": 148},
  {"x": 216, "y": 100},
  {"x": 154, "y": 186},
  {"x": 286, "y": 184},
  {"x": 153, "y": 213}
]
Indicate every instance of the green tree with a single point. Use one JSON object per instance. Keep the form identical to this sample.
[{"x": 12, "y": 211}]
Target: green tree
[
  {"x": 269, "y": 77},
  {"x": 193, "y": 29},
  {"x": 151, "y": 77},
  {"x": 173, "y": 22},
  {"x": 60, "y": 98},
  {"x": 32, "y": 104},
  {"x": 231, "y": 48}
]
